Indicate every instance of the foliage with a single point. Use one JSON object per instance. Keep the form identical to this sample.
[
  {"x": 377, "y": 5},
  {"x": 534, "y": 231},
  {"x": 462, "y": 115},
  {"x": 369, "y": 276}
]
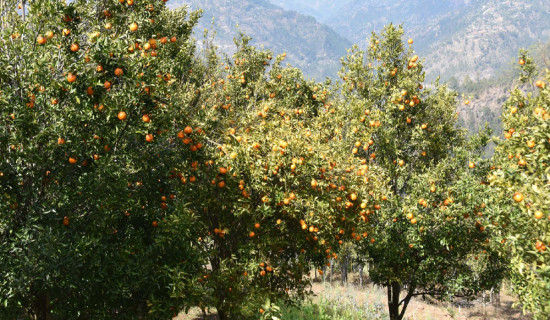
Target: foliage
[
  {"x": 92, "y": 220},
  {"x": 274, "y": 194},
  {"x": 521, "y": 178},
  {"x": 431, "y": 225}
]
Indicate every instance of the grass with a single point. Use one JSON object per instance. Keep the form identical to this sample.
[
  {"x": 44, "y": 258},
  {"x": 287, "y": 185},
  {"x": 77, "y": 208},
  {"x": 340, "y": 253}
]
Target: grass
[
  {"x": 339, "y": 303},
  {"x": 351, "y": 302}
]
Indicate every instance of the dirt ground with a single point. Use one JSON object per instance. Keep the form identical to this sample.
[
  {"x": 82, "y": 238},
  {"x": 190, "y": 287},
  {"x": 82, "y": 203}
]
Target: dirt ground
[{"x": 418, "y": 308}]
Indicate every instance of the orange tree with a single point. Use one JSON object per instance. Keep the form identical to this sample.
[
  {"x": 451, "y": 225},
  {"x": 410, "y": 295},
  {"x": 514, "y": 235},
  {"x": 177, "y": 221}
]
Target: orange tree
[
  {"x": 275, "y": 196},
  {"x": 92, "y": 224},
  {"x": 426, "y": 235},
  {"x": 522, "y": 180}
]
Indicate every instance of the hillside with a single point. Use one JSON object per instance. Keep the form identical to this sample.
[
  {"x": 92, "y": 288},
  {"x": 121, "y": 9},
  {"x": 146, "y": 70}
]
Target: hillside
[
  {"x": 459, "y": 38},
  {"x": 310, "y": 45},
  {"x": 319, "y": 9}
]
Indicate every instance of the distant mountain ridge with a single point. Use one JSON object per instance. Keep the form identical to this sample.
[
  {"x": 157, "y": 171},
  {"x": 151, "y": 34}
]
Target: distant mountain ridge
[
  {"x": 459, "y": 38},
  {"x": 310, "y": 45}
]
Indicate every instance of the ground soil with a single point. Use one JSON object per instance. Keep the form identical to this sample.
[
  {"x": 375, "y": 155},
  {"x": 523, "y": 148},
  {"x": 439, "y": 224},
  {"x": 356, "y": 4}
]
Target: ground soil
[{"x": 419, "y": 308}]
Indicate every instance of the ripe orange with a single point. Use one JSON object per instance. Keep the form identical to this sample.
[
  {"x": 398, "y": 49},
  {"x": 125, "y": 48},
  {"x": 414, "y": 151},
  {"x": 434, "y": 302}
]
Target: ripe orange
[
  {"x": 119, "y": 72},
  {"x": 251, "y": 234},
  {"x": 155, "y": 224},
  {"x": 145, "y": 118},
  {"x": 49, "y": 34},
  {"x": 60, "y": 141},
  {"x": 66, "y": 221},
  {"x": 71, "y": 77},
  {"x": 314, "y": 183},
  {"x": 223, "y": 170},
  {"x": 75, "y": 47},
  {"x": 471, "y": 165},
  {"x": 188, "y": 130},
  {"x": 518, "y": 197},
  {"x": 107, "y": 85},
  {"x": 41, "y": 40},
  {"x": 173, "y": 39},
  {"x": 521, "y": 62},
  {"x": 410, "y": 41},
  {"x": 538, "y": 214},
  {"x": 72, "y": 160},
  {"x": 121, "y": 115},
  {"x": 257, "y": 225},
  {"x": 221, "y": 184},
  {"x": 149, "y": 137},
  {"x": 133, "y": 26}
]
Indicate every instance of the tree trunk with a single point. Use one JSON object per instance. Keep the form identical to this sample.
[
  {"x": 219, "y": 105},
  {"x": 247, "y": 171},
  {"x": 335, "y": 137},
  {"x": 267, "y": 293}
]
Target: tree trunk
[
  {"x": 495, "y": 295},
  {"x": 393, "y": 300},
  {"x": 41, "y": 307},
  {"x": 345, "y": 270},
  {"x": 222, "y": 315},
  {"x": 361, "y": 275},
  {"x": 331, "y": 270}
]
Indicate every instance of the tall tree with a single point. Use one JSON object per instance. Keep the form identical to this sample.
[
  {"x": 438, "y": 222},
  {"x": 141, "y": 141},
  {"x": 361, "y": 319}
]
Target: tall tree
[
  {"x": 521, "y": 178},
  {"x": 429, "y": 227},
  {"x": 92, "y": 223}
]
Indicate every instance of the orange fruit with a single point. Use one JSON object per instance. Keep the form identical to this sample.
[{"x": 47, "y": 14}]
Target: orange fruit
[
  {"x": 518, "y": 197},
  {"x": 155, "y": 224},
  {"x": 145, "y": 118},
  {"x": 72, "y": 160},
  {"x": 121, "y": 115},
  {"x": 188, "y": 130},
  {"x": 71, "y": 77},
  {"x": 133, "y": 26},
  {"x": 75, "y": 47},
  {"x": 66, "y": 221},
  {"x": 149, "y": 137},
  {"x": 314, "y": 183},
  {"x": 41, "y": 40},
  {"x": 119, "y": 72}
]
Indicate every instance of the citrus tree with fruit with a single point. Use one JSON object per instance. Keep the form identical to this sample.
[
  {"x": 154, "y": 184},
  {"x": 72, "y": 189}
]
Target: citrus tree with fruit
[
  {"x": 275, "y": 195},
  {"x": 92, "y": 223},
  {"x": 429, "y": 228},
  {"x": 521, "y": 178}
]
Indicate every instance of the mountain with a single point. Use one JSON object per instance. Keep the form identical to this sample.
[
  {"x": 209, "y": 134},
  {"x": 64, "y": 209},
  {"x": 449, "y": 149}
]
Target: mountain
[
  {"x": 319, "y": 9},
  {"x": 458, "y": 38},
  {"x": 310, "y": 45}
]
